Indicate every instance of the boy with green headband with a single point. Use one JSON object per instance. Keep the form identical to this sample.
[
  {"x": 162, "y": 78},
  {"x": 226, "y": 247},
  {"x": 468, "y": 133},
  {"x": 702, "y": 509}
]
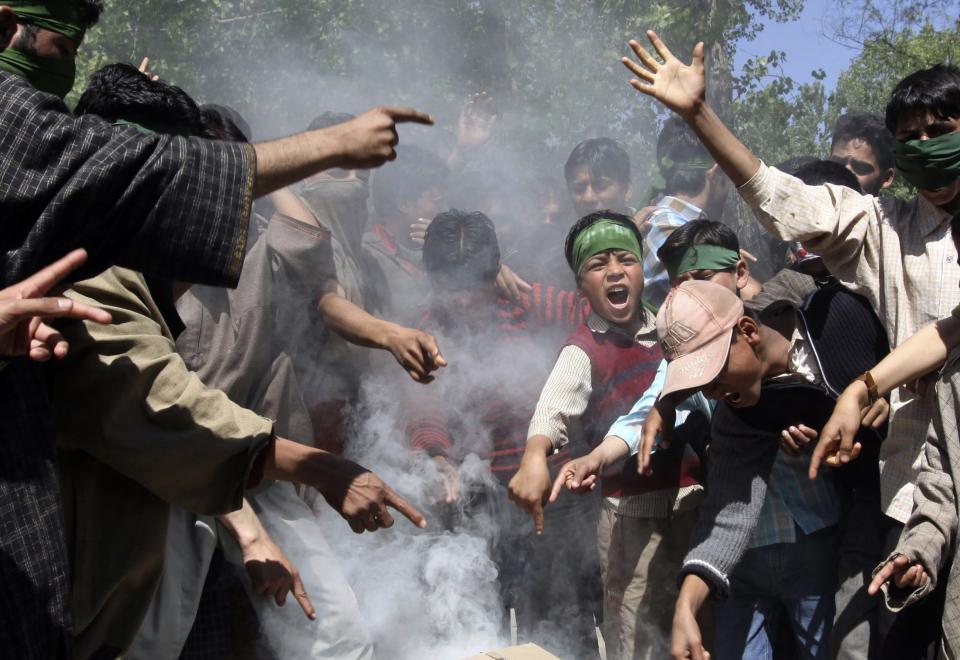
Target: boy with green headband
[
  {"x": 607, "y": 364},
  {"x": 898, "y": 254}
]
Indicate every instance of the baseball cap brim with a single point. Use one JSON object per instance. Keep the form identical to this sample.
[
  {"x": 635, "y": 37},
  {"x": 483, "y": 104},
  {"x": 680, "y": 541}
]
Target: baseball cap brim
[{"x": 698, "y": 368}]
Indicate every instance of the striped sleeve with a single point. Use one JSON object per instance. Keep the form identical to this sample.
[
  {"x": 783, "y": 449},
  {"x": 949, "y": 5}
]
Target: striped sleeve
[{"x": 564, "y": 397}]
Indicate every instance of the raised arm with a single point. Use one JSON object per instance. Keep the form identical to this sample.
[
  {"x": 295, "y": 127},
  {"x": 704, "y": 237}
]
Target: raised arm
[{"x": 682, "y": 88}]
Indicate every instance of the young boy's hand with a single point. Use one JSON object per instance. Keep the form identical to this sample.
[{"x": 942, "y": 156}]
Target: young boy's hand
[
  {"x": 530, "y": 487},
  {"x": 659, "y": 424},
  {"x": 680, "y": 87},
  {"x": 578, "y": 476}
]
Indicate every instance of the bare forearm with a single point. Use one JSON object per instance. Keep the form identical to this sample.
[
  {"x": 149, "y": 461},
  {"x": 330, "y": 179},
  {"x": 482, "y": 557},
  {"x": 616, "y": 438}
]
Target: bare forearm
[
  {"x": 243, "y": 525},
  {"x": 354, "y": 323},
  {"x": 923, "y": 352},
  {"x": 538, "y": 447},
  {"x": 693, "y": 593},
  {"x": 612, "y": 449},
  {"x": 733, "y": 157},
  {"x": 283, "y": 162}
]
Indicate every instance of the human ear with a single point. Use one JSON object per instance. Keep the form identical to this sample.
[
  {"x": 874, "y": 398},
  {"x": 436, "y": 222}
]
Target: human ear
[
  {"x": 750, "y": 330},
  {"x": 888, "y": 178},
  {"x": 743, "y": 273}
]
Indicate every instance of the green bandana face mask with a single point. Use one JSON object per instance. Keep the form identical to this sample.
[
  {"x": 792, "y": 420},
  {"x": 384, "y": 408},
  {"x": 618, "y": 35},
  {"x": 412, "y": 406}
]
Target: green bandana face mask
[
  {"x": 601, "y": 236},
  {"x": 58, "y": 16},
  {"x": 702, "y": 257},
  {"x": 929, "y": 164},
  {"x": 54, "y": 76}
]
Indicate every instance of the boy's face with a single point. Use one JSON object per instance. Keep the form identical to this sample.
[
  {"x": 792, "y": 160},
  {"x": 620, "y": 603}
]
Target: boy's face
[
  {"x": 925, "y": 126},
  {"x": 428, "y": 205},
  {"x": 858, "y": 157},
  {"x": 738, "y": 383},
  {"x": 593, "y": 191},
  {"x": 612, "y": 282},
  {"x": 732, "y": 280}
]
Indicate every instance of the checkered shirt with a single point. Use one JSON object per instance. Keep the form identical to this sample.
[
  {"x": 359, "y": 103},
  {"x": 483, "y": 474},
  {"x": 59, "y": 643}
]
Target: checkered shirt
[
  {"x": 929, "y": 536},
  {"x": 169, "y": 206},
  {"x": 670, "y": 213},
  {"x": 897, "y": 254}
]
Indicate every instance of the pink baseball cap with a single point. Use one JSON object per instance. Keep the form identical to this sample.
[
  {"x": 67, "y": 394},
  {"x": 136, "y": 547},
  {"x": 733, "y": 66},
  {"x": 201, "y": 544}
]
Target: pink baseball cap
[{"x": 694, "y": 327}]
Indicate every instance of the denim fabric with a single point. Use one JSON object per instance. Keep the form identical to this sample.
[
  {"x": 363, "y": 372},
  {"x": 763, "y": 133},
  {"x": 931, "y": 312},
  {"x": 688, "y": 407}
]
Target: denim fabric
[{"x": 798, "y": 579}]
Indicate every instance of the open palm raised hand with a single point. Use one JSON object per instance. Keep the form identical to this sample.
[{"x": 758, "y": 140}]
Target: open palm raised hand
[{"x": 678, "y": 86}]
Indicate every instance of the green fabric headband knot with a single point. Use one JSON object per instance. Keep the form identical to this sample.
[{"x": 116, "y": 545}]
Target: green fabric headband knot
[
  {"x": 58, "y": 16},
  {"x": 667, "y": 167},
  {"x": 701, "y": 257},
  {"x": 601, "y": 236},
  {"x": 929, "y": 164}
]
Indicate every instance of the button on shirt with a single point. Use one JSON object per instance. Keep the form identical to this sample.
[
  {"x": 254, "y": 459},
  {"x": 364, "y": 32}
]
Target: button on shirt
[
  {"x": 897, "y": 254},
  {"x": 670, "y": 213}
]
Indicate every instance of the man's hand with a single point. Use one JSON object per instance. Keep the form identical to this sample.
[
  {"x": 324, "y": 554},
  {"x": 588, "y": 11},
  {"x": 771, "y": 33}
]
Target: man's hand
[
  {"x": 795, "y": 439},
  {"x": 904, "y": 573},
  {"x": 23, "y": 309},
  {"x": 476, "y": 122},
  {"x": 680, "y": 87},
  {"x": 530, "y": 486},
  {"x": 418, "y": 231},
  {"x": 659, "y": 423},
  {"x": 686, "y": 642},
  {"x": 451, "y": 480},
  {"x": 578, "y": 476},
  {"x": 838, "y": 445},
  {"x": 273, "y": 575},
  {"x": 416, "y": 351},
  {"x": 352, "y": 490},
  {"x": 369, "y": 140},
  {"x": 144, "y": 68},
  {"x": 510, "y": 285}
]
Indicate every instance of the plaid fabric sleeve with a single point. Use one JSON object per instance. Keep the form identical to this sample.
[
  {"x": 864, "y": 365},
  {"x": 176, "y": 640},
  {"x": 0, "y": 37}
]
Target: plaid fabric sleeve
[
  {"x": 165, "y": 205},
  {"x": 930, "y": 533}
]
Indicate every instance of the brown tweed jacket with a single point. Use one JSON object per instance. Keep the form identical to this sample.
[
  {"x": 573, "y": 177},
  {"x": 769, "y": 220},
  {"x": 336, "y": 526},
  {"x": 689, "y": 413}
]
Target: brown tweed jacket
[{"x": 930, "y": 534}]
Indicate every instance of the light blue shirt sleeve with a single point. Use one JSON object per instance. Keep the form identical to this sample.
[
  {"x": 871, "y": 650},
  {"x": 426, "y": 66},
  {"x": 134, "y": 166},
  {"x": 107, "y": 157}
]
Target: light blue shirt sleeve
[{"x": 629, "y": 427}]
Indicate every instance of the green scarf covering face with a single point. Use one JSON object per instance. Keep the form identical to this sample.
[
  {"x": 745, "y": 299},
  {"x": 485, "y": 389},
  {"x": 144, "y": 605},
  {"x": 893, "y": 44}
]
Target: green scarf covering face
[
  {"x": 929, "y": 164},
  {"x": 701, "y": 257},
  {"x": 601, "y": 236},
  {"x": 52, "y": 75}
]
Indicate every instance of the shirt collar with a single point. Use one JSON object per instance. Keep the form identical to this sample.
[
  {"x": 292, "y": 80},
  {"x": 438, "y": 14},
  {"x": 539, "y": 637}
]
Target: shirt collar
[
  {"x": 681, "y": 207},
  {"x": 929, "y": 218},
  {"x": 647, "y": 331}
]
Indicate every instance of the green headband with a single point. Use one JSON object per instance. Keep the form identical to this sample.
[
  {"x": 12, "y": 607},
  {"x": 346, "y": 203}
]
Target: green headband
[
  {"x": 666, "y": 168},
  {"x": 929, "y": 164},
  {"x": 701, "y": 257},
  {"x": 601, "y": 236},
  {"x": 58, "y": 16}
]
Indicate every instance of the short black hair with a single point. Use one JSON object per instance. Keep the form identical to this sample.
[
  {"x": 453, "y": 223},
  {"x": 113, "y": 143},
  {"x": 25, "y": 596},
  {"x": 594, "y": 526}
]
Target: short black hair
[
  {"x": 593, "y": 218},
  {"x": 698, "y": 232},
  {"x": 677, "y": 143},
  {"x": 121, "y": 91},
  {"x": 328, "y": 119},
  {"x": 869, "y": 127},
  {"x": 602, "y": 156},
  {"x": 820, "y": 172},
  {"x": 413, "y": 172},
  {"x": 935, "y": 90},
  {"x": 794, "y": 163},
  {"x": 225, "y": 123},
  {"x": 461, "y": 248}
]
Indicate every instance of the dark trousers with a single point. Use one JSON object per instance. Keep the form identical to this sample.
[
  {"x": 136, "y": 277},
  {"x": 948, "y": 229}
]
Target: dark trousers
[{"x": 914, "y": 633}]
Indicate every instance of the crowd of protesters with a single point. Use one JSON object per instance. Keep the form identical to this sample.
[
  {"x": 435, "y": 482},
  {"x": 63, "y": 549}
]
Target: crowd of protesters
[{"x": 188, "y": 317}]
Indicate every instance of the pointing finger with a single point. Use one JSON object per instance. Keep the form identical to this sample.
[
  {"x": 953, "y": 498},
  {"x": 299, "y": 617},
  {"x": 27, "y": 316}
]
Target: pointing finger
[
  {"x": 403, "y": 506},
  {"x": 408, "y": 115},
  {"x": 300, "y": 594}
]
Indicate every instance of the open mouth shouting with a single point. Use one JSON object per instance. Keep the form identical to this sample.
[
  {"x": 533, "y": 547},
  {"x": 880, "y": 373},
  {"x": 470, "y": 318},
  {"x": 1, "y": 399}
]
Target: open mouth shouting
[{"x": 618, "y": 296}]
